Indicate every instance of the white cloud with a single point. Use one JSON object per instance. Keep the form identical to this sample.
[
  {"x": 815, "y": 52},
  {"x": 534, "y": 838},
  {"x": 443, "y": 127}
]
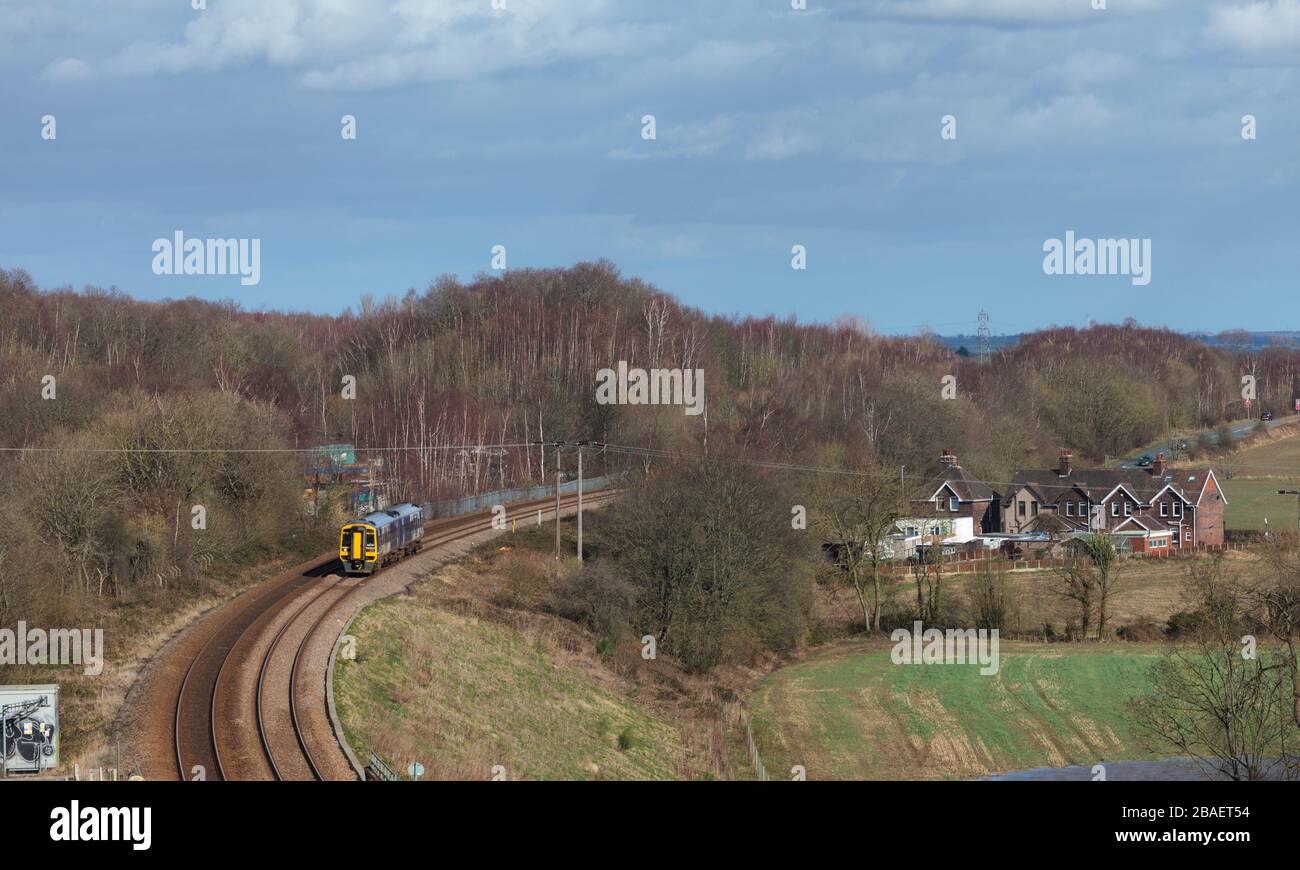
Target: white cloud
[
  {"x": 1265, "y": 29},
  {"x": 69, "y": 69},
  {"x": 1009, "y": 11},
  {"x": 697, "y": 139},
  {"x": 781, "y": 142},
  {"x": 358, "y": 44}
]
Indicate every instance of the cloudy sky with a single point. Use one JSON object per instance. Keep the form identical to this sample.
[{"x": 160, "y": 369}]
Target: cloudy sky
[{"x": 775, "y": 127}]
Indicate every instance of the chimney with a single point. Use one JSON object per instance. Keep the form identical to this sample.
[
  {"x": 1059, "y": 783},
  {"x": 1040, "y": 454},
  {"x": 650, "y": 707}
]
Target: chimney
[
  {"x": 947, "y": 458},
  {"x": 1064, "y": 469},
  {"x": 1158, "y": 467}
]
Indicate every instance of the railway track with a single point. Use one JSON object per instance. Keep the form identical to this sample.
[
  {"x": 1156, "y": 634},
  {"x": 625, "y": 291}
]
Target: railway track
[{"x": 250, "y": 662}]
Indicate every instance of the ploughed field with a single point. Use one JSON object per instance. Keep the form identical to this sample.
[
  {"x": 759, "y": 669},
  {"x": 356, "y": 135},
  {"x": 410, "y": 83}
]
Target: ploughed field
[{"x": 848, "y": 712}]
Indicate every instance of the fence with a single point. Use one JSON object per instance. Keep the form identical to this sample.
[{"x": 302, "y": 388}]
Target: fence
[
  {"x": 378, "y": 769},
  {"x": 471, "y": 503},
  {"x": 965, "y": 563},
  {"x": 755, "y": 760}
]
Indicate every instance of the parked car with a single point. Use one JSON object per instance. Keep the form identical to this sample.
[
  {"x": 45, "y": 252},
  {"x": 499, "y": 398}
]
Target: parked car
[
  {"x": 1266, "y": 416},
  {"x": 1145, "y": 461}
]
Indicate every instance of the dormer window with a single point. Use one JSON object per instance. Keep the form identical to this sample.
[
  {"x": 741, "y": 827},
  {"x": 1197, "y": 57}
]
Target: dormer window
[
  {"x": 1128, "y": 508},
  {"x": 1164, "y": 509},
  {"x": 952, "y": 504},
  {"x": 1178, "y": 509},
  {"x": 1069, "y": 508},
  {"x": 1114, "y": 509}
]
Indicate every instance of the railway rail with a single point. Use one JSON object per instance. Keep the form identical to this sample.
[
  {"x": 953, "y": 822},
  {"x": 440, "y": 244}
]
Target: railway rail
[{"x": 250, "y": 662}]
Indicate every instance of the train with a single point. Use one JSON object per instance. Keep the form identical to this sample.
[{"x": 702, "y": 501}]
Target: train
[{"x": 377, "y": 539}]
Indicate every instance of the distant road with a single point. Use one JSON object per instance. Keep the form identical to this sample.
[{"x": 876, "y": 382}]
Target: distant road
[{"x": 1238, "y": 430}]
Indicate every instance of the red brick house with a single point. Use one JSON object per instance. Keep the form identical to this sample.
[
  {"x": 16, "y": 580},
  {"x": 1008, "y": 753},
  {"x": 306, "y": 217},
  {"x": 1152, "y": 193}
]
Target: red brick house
[
  {"x": 953, "y": 492},
  {"x": 1154, "y": 509}
]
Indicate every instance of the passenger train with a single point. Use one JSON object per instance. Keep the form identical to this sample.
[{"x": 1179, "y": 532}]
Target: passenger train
[{"x": 369, "y": 543}]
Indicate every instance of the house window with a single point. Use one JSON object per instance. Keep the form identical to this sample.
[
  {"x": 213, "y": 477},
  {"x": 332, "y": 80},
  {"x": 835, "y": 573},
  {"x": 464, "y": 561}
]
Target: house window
[
  {"x": 1128, "y": 508},
  {"x": 1033, "y": 508},
  {"x": 952, "y": 504},
  {"x": 1083, "y": 508},
  {"x": 1069, "y": 508},
  {"x": 1021, "y": 508},
  {"x": 1187, "y": 535},
  {"x": 1164, "y": 509},
  {"x": 1178, "y": 509},
  {"x": 1114, "y": 509}
]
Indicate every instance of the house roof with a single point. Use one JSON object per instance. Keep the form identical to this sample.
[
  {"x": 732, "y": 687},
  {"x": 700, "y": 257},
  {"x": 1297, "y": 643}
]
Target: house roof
[
  {"x": 1146, "y": 523},
  {"x": 1097, "y": 484},
  {"x": 960, "y": 481}
]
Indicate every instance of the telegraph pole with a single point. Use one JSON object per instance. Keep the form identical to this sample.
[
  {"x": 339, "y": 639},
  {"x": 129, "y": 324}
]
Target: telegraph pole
[
  {"x": 557, "y": 505},
  {"x": 580, "y": 443}
]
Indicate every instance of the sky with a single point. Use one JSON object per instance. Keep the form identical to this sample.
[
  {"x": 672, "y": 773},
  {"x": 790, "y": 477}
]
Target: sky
[{"x": 773, "y": 127}]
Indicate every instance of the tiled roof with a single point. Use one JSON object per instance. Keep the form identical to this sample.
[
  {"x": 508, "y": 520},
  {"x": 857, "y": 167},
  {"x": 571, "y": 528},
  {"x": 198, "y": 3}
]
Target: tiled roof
[
  {"x": 967, "y": 487},
  {"x": 1097, "y": 483}
]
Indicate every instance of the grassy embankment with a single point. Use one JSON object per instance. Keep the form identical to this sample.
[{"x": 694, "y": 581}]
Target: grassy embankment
[{"x": 469, "y": 672}]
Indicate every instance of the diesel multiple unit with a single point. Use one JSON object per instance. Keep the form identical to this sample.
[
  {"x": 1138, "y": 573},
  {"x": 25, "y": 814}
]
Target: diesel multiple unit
[{"x": 380, "y": 538}]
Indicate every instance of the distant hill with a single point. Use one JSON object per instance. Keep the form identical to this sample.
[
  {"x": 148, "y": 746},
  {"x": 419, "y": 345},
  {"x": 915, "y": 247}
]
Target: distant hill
[
  {"x": 1228, "y": 340},
  {"x": 1246, "y": 340}
]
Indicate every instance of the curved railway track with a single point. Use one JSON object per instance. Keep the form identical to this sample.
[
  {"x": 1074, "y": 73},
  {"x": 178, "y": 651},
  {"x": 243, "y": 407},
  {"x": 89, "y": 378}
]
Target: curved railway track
[{"x": 234, "y": 639}]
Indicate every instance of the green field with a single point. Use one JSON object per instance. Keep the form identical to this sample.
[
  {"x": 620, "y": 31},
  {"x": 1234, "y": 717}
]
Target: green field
[
  {"x": 1280, "y": 457},
  {"x": 1251, "y": 500},
  {"x": 1257, "y": 474},
  {"x": 848, "y": 712},
  {"x": 462, "y": 695}
]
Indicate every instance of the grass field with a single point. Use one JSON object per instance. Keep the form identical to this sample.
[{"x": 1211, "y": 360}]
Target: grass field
[
  {"x": 462, "y": 695},
  {"x": 848, "y": 712},
  {"x": 1251, "y": 500},
  {"x": 1280, "y": 457},
  {"x": 1257, "y": 474}
]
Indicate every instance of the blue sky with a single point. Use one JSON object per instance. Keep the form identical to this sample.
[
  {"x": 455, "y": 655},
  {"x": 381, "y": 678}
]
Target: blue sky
[{"x": 775, "y": 127}]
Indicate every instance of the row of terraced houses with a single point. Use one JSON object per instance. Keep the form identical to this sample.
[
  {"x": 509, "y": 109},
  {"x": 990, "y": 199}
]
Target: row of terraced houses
[{"x": 1151, "y": 510}]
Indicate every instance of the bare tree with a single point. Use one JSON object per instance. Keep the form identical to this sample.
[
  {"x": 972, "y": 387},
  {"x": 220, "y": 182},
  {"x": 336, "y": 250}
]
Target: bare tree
[
  {"x": 1274, "y": 602},
  {"x": 1090, "y": 580},
  {"x": 1216, "y": 699},
  {"x": 858, "y": 514}
]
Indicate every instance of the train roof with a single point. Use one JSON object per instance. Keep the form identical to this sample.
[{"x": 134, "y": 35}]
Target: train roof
[{"x": 382, "y": 518}]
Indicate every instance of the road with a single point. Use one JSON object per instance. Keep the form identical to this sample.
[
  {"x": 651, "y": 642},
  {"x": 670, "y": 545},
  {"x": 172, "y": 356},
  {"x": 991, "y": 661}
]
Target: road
[{"x": 1238, "y": 429}]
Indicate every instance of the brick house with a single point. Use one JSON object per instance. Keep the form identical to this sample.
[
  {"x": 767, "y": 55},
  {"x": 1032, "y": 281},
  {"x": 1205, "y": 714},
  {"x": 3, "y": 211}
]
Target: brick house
[
  {"x": 1154, "y": 509},
  {"x": 953, "y": 494}
]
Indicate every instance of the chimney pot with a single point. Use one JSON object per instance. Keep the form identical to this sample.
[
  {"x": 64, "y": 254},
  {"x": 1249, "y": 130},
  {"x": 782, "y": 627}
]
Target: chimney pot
[{"x": 947, "y": 457}]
